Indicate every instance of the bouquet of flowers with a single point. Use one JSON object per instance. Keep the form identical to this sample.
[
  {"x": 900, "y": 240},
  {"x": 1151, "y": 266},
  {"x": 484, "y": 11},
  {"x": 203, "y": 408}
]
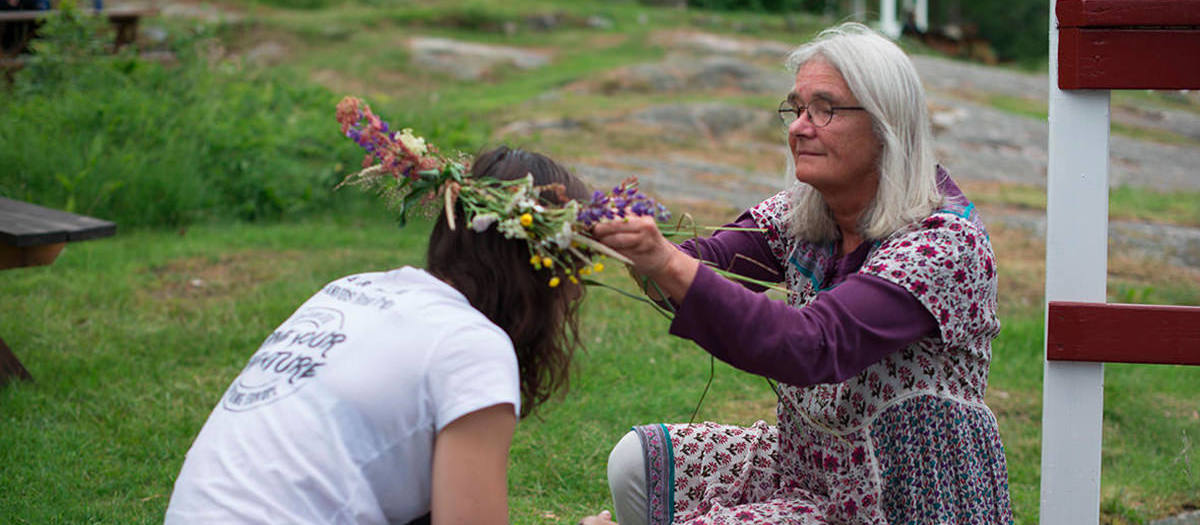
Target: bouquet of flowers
[{"x": 407, "y": 171}]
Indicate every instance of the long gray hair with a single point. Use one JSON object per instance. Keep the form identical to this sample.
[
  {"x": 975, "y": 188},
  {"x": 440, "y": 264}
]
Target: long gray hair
[{"x": 885, "y": 82}]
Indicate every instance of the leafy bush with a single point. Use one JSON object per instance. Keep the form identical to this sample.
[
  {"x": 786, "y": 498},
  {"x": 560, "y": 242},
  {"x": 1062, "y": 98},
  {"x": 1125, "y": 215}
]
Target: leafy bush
[
  {"x": 1016, "y": 29},
  {"x": 143, "y": 143},
  {"x": 770, "y": 6}
]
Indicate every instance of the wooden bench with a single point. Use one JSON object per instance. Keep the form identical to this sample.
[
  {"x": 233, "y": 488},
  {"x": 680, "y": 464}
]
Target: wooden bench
[
  {"x": 18, "y": 28},
  {"x": 31, "y": 235}
]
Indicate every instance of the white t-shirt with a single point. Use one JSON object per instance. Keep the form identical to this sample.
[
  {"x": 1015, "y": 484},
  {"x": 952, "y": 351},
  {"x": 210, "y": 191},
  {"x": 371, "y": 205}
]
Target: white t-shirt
[{"x": 333, "y": 419}]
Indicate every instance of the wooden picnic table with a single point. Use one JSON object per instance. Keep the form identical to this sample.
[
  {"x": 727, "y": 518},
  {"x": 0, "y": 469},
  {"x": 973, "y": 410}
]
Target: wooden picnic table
[
  {"x": 32, "y": 235},
  {"x": 17, "y": 28}
]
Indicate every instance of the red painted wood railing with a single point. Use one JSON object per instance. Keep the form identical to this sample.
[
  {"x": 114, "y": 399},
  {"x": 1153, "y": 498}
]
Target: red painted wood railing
[
  {"x": 1123, "y": 333},
  {"x": 1128, "y": 44}
]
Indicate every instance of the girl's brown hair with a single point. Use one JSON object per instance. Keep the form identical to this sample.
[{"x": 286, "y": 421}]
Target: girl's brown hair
[{"x": 496, "y": 276}]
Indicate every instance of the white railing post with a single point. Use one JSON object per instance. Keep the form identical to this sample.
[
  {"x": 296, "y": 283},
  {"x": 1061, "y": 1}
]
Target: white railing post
[
  {"x": 887, "y": 19},
  {"x": 1076, "y": 270},
  {"x": 922, "y": 15}
]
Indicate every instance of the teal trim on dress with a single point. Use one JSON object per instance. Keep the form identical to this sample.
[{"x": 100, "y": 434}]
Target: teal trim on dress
[
  {"x": 965, "y": 213},
  {"x": 670, "y": 474},
  {"x": 807, "y": 273}
]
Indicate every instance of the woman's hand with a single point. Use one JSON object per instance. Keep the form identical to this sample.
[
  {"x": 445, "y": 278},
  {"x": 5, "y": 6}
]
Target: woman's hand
[
  {"x": 604, "y": 518},
  {"x": 653, "y": 256}
]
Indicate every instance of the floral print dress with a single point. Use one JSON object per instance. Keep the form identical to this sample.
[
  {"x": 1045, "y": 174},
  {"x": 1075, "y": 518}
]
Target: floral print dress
[{"x": 906, "y": 441}]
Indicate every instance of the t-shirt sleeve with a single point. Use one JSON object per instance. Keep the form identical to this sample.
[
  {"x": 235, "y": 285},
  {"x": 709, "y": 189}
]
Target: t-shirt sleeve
[
  {"x": 472, "y": 369},
  {"x": 946, "y": 262}
]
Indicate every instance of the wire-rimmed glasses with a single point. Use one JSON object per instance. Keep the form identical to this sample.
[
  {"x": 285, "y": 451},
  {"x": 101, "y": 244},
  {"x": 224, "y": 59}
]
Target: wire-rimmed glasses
[{"x": 820, "y": 111}]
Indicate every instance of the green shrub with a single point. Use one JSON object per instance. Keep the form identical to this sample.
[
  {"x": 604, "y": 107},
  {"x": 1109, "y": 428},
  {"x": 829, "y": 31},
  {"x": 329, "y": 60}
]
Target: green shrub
[
  {"x": 1016, "y": 29},
  {"x": 143, "y": 143}
]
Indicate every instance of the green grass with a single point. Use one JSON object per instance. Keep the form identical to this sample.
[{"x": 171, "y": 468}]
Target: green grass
[
  {"x": 1037, "y": 109},
  {"x": 133, "y": 339},
  {"x": 1180, "y": 207}
]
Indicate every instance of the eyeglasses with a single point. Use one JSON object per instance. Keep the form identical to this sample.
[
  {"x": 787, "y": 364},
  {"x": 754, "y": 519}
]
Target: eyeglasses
[{"x": 820, "y": 112}]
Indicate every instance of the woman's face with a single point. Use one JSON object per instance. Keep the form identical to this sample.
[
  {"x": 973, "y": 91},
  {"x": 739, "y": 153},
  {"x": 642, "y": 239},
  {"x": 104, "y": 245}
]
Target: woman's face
[{"x": 840, "y": 158}]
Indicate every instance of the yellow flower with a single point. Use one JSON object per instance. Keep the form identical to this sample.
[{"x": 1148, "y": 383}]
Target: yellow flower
[
  {"x": 554, "y": 282},
  {"x": 585, "y": 271},
  {"x": 526, "y": 220},
  {"x": 599, "y": 267},
  {"x": 547, "y": 262},
  {"x": 573, "y": 279},
  {"x": 536, "y": 262}
]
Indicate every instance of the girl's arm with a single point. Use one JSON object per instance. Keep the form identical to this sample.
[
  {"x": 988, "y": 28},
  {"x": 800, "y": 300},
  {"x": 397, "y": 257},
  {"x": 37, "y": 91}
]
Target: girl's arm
[{"x": 470, "y": 467}]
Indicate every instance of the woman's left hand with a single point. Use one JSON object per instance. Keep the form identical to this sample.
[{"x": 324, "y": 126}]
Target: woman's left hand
[
  {"x": 604, "y": 518},
  {"x": 653, "y": 256}
]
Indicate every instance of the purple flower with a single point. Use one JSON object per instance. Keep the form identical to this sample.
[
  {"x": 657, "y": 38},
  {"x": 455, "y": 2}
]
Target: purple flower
[{"x": 622, "y": 200}]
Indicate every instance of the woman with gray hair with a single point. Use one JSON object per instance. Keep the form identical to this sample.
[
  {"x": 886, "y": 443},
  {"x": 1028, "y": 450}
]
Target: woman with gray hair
[{"x": 882, "y": 349}]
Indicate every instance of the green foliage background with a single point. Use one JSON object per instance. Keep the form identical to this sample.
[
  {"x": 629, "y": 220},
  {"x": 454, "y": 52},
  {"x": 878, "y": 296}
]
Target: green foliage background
[{"x": 166, "y": 145}]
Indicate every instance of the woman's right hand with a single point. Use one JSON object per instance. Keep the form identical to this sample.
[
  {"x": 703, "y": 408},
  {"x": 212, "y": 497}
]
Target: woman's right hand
[{"x": 653, "y": 256}]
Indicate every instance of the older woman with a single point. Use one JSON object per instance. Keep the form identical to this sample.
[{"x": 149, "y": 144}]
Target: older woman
[{"x": 882, "y": 348}]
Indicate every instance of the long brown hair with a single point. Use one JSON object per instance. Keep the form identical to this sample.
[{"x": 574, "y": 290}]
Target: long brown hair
[{"x": 496, "y": 276}]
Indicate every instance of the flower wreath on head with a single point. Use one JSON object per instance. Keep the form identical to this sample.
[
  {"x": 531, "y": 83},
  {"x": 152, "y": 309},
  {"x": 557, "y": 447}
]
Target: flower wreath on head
[{"x": 407, "y": 171}]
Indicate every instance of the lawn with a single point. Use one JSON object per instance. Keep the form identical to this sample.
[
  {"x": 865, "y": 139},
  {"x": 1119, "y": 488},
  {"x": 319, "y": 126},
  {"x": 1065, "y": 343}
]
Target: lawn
[{"x": 219, "y": 175}]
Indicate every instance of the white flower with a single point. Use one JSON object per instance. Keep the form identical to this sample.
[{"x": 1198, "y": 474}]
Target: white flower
[
  {"x": 414, "y": 143},
  {"x": 512, "y": 229},
  {"x": 484, "y": 221},
  {"x": 517, "y": 200},
  {"x": 563, "y": 238}
]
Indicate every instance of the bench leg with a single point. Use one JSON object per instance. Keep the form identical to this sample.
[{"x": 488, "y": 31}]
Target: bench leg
[
  {"x": 10, "y": 366},
  {"x": 14, "y": 257}
]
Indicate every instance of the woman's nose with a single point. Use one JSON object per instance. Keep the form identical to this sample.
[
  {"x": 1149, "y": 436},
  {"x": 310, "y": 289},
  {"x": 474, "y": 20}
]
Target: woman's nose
[{"x": 802, "y": 126}]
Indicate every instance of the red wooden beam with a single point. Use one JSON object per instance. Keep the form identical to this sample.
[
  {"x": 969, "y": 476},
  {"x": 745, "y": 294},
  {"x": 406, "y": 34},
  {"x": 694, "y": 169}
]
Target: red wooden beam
[
  {"x": 1123, "y": 333},
  {"x": 1127, "y": 13},
  {"x": 1128, "y": 44},
  {"x": 1128, "y": 58}
]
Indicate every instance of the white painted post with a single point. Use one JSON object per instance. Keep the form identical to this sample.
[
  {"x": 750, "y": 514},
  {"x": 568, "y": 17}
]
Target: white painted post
[
  {"x": 860, "y": 10},
  {"x": 887, "y": 19},
  {"x": 1076, "y": 270},
  {"x": 922, "y": 15}
]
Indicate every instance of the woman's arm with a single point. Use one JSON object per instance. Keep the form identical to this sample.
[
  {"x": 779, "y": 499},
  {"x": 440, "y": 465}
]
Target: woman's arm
[
  {"x": 470, "y": 467},
  {"x": 844, "y": 331},
  {"x": 836, "y": 336},
  {"x": 738, "y": 250}
]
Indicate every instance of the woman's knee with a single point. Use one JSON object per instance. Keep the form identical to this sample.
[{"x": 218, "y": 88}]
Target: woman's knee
[
  {"x": 627, "y": 480},
  {"x": 626, "y": 463}
]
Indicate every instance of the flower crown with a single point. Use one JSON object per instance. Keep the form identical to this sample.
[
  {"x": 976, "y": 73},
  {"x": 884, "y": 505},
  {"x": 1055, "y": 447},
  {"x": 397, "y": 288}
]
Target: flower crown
[{"x": 407, "y": 171}]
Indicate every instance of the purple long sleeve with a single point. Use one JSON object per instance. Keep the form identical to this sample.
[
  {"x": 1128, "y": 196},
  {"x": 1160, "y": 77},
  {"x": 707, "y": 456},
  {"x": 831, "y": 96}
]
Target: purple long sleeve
[
  {"x": 835, "y": 337},
  {"x": 739, "y": 251}
]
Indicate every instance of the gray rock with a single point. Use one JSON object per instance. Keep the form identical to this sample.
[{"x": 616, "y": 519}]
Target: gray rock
[
  {"x": 952, "y": 77},
  {"x": 206, "y": 12},
  {"x": 470, "y": 61},
  {"x": 266, "y": 53},
  {"x": 711, "y": 119},
  {"x": 682, "y": 178},
  {"x": 686, "y": 73},
  {"x": 711, "y": 44},
  {"x": 599, "y": 22},
  {"x": 1187, "y": 518},
  {"x": 983, "y": 143}
]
